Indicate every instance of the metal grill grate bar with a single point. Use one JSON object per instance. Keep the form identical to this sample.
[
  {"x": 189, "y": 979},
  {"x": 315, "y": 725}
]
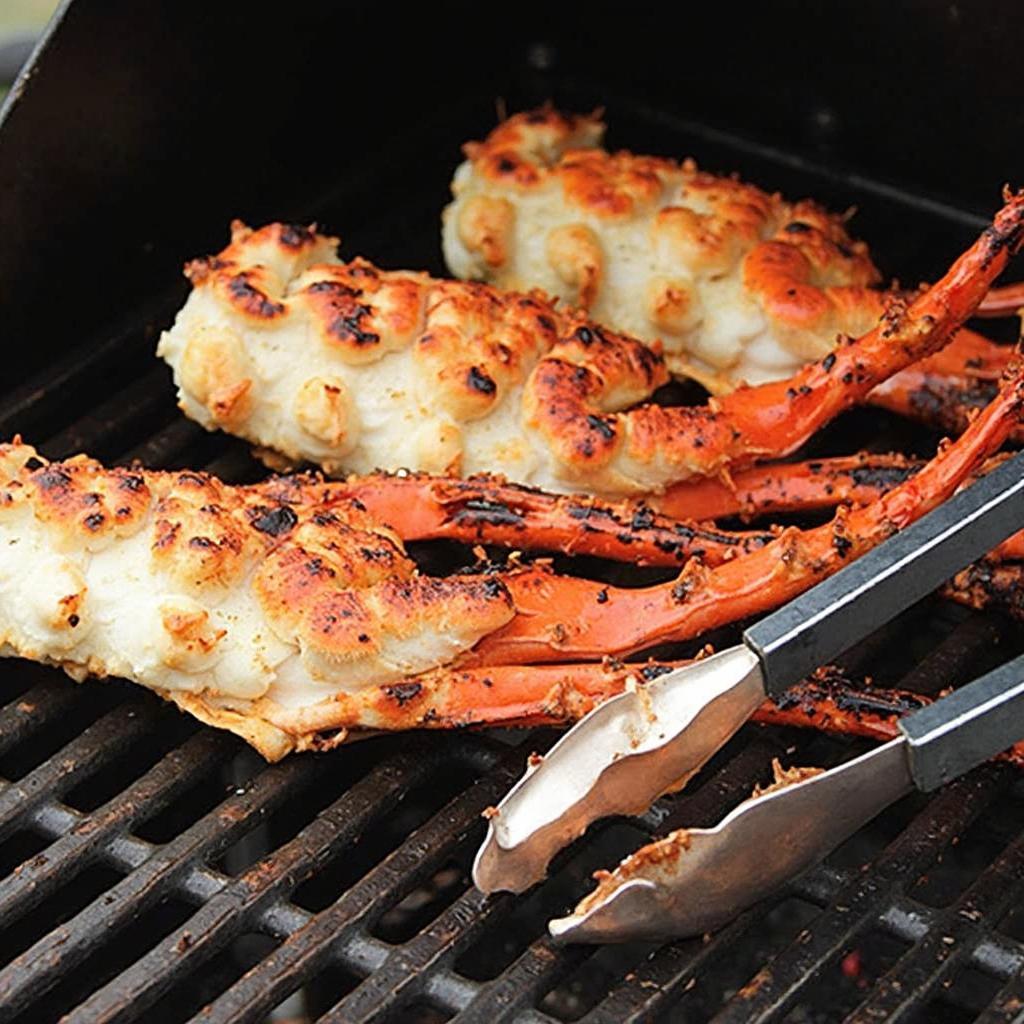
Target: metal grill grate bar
[
  {"x": 304, "y": 952},
  {"x": 168, "y": 444},
  {"x": 955, "y": 659},
  {"x": 229, "y": 911},
  {"x": 402, "y": 974},
  {"x": 172, "y": 775},
  {"x": 101, "y": 743},
  {"x": 141, "y": 406},
  {"x": 658, "y": 983},
  {"x": 39, "y": 967},
  {"x": 34, "y": 710},
  {"x": 947, "y": 815},
  {"x": 422, "y": 963},
  {"x": 126, "y": 853},
  {"x": 79, "y": 376},
  {"x": 1006, "y": 1007},
  {"x": 522, "y": 985},
  {"x": 998, "y": 955},
  {"x": 949, "y": 942}
]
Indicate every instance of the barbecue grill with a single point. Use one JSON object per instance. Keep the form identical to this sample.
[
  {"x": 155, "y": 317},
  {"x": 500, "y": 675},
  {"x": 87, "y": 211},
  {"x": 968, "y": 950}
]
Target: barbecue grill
[{"x": 153, "y": 869}]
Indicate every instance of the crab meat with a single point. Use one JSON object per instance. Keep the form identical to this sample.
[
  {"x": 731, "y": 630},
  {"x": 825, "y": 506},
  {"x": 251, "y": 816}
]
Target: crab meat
[
  {"x": 736, "y": 284},
  {"x": 356, "y": 368}
]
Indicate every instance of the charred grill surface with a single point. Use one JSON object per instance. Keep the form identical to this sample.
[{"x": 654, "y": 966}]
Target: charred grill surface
[{"x": 151, "y": 869}]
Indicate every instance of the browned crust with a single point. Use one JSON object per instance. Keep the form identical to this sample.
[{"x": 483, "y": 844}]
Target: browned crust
[
  {"x": 799, "y": 261},
  {"x": 325, "y": 573},
  {"x": 471, "y": 341},
  {"x": 592, "y": 372}
]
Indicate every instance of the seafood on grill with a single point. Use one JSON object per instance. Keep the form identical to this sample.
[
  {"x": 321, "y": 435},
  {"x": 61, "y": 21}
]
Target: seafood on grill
[
  {"x": 355, "y": 369},
  {"x": 736, "y": 284},
  {"x": 488, "y": 510},
  {"x": 288, "y": 613},
  {"x": 829, "y": 702}
]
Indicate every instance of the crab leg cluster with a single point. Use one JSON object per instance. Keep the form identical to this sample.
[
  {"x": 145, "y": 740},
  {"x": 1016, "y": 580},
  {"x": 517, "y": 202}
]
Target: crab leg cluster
[
  {"x": 290, "y": 611},
  {"x": 735, "y": 284},
  {"x": 702, "y": 599},
  {"x": 353, "y": 367}
]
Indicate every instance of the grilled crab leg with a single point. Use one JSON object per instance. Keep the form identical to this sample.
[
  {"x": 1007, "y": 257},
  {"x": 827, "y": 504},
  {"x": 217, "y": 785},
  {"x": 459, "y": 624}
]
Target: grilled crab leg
[
  {"x": 284, "y": 611},
  {"x": 487, "y": 510},
  {"x": 736, "y": 283},
  {"x": 788, "y": 487},
  {"x": 539, "y": 695},
  {"x": 826, "y": 702},
  {"x": 991, "y": 584},
  {"x": 353, "y": 367},
  {"x": 284, "y": 614},
  {"x": 254, "y": 614},
  {"x": 831, "y": 704},
  {"x": 944, "y": 390},
  {"x": 575, "y": 619}
]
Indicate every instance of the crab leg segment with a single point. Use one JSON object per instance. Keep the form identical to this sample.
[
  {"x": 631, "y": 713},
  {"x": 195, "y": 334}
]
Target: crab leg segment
[
  {"x": 967, "y": 358},
  {"x": 836, "y": 706},
  {"x": 988, "y": 584},
  {"x": 567, "y": 619},
  {"x": 788, "y": 487},
  {"x": 487, "y": 510},
  {"x": 1003, "y": 301},
  {"x": 502, "y": 695},
  {"x": 944, "y": 390},
  {"x": 804, "y": 486},
  {"x": 536, "y": 695}
]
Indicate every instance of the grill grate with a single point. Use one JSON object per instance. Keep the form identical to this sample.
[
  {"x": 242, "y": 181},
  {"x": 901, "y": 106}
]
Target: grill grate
[{"x": 155, "y": 870}]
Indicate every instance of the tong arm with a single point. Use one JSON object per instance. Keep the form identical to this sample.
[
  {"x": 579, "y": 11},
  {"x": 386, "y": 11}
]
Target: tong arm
[
  {"x": 969, "y": 726},
  {"x": 820, "y": 624}
]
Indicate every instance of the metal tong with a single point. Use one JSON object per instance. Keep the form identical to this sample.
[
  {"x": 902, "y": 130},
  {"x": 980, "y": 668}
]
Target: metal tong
[{"x": 650, "y": 740}]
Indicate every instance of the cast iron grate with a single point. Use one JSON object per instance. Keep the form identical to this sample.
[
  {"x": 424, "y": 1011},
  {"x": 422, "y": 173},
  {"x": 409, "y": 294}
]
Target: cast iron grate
[{"x": 156, "y": 870}]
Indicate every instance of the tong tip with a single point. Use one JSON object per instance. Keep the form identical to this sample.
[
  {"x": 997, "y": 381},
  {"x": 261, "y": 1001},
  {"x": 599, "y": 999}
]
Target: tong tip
[
  {"x": 616, "y": 760},
  {"x": 627, "y": 913},
  {"x": 499, "y": 867},
  {"x": 692, "y": 881}
]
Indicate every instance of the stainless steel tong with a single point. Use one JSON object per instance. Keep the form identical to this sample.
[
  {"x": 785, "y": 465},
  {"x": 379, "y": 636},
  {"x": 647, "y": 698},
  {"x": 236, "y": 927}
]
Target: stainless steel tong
[{"x": 645, "y": 742}]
